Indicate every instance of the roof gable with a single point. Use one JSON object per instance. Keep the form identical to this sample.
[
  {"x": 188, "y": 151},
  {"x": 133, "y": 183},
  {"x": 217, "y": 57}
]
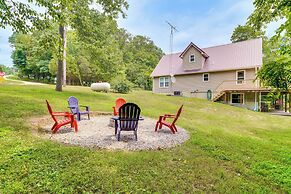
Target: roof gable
[{"x": 204, "y": 54}]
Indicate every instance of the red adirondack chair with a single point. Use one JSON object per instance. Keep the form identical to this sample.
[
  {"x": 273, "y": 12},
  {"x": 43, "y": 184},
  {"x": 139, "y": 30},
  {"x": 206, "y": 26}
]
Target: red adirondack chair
[
  {"x": 119, "y": 102},
  {"x": 68, "y": 119},
  {"x": 162, "y": 121}
]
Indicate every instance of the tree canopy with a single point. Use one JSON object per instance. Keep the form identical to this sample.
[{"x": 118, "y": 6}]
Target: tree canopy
[
  {"x": 246, "y": 32},
  {"x": 6, "y": 69},
  {"x": 269, "y": 11},
  {"x": 275, "y": 71},
  {"x": 102, "y": 53},
  {"x": 35, "y": 14},
  {"x": 26, "y": 18}
]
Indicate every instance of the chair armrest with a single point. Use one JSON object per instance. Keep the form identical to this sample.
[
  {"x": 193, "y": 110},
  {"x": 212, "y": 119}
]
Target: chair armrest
[
  {"x": 169, "y": 116},
  {"x": 72, "y": 107},
  {"x": 61, "y": 114},
  {"x": 87, "y": 108},
  {"x": 164, "y": 117}
]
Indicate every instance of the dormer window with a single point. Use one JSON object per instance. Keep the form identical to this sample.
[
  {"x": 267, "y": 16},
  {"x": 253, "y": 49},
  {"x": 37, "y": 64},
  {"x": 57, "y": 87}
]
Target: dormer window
[{"x": 191, "y": 58}]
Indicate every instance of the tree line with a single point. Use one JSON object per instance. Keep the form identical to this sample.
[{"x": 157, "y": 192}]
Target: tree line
[
  {"x": 33, "y": 15},
  {"x": 96, "y": 51},
  {"x": 7, "y": 70}
]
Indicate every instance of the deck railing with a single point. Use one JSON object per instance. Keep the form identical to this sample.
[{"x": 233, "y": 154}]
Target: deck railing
[
  {"x": 237, "y": 85},
  {"x": 247, "y": 84}
]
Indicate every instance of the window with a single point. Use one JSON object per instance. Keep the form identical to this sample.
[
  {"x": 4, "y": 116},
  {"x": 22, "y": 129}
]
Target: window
[
  {"x": 240, "y": 77},
  {"x": 164, "y": 82},
  {"x": 191, "y": 58},
  {"x": 237, "y": 98},
  {"x": 205, "y": 77}
]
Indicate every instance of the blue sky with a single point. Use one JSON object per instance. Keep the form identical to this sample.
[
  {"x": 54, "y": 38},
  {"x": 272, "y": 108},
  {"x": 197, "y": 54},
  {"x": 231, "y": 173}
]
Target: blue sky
[{"x": 203, "y": 22}]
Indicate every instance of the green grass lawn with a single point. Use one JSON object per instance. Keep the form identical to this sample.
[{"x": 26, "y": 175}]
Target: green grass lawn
[{"x": 230, "y": 150}]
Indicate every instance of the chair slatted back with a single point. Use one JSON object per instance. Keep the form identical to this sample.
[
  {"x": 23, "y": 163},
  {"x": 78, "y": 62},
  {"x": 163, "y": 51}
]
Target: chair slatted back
[
  {"x": 128, "y": 116},
  {"x": 177, "y": 115},
  {"x": 73, "y": 102},
  {"x": 50, "y": 111}
]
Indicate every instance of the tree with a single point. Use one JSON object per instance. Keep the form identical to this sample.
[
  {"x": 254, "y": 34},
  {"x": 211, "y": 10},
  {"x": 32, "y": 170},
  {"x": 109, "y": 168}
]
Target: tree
[
  {"x": 96, "y": 51},
  {"x": 22, "y": 17},
  {"x": 276, "y": 74},
  {"x": 31, "y": 56},
  {"x": 21, "y": 44},
  {"x": 276, "y": 69},
  {"x": 270, "y": 11},
  {"x": 246, "y": 32},
  {"x": 141, "y": 56},
  {"x": 7, "y": 70}
]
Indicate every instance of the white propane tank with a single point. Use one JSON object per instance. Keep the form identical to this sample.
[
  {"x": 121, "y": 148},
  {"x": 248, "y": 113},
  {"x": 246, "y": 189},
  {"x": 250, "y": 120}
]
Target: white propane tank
[{"x": 98, "y": 87}]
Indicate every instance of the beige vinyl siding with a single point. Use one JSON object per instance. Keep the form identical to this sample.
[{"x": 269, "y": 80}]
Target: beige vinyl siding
[
  {"x": 192, "y": 85},
  {"x": 158, "y": 89},
  {"x": 199, "y": 60}
]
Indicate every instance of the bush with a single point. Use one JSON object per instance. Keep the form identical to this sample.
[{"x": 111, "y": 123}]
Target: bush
[{"x": 121, "y": 85}]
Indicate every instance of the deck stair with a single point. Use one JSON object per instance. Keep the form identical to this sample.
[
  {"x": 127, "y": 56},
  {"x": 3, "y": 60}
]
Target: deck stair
[{"x": 220, "y": 94}]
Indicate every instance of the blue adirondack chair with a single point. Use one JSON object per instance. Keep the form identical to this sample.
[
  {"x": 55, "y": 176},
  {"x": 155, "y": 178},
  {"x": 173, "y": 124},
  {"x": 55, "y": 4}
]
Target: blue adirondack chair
[
  {"x": 74, "y": 106},
  {"x": 128, "y": 119}
]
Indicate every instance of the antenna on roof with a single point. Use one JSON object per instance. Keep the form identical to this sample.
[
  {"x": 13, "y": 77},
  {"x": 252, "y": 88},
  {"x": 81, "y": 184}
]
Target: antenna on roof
[{"x": 173, "y": 29}]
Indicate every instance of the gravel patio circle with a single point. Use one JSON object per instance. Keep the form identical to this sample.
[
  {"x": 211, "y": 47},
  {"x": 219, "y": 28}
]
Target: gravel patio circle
[{"x": 96, "y": 133}]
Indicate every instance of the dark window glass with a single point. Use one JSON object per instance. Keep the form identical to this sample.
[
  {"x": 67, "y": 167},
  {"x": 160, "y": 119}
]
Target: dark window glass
[
  {"x": 237, "y": 98},
  {"x": 206, "y": 77}
]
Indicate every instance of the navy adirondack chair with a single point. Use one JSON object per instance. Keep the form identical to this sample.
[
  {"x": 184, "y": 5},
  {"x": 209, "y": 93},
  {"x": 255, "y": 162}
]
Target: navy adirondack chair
[
  {"x": 128, "y": 119},
  {"x": 74, "y": 106}
]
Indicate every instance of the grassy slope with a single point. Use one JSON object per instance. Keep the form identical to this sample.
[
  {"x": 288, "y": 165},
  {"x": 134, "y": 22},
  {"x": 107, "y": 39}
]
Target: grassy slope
[{"x": 230, "y": 150}]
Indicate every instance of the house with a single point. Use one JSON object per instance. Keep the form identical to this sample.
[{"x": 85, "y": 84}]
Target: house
[{"x": 224, "y": 73}]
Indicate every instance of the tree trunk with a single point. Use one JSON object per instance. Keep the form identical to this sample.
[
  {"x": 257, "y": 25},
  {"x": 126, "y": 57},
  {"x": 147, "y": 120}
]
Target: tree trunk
[
  {"x": 60, "y": 60},
  {"x": 64, "y": 58},
  {"x": 79, "y": 74}
]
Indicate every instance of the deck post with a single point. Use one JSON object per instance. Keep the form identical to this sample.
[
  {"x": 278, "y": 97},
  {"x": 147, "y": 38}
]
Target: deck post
[
  {"x": 260, "y": 98},
  {"x": 285, "y": 102},
  {"x": 256, "y": 102}
]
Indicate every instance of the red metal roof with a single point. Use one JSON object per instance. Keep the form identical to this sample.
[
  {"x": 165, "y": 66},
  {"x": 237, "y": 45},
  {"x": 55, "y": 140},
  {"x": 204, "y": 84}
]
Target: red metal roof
[{"x": 240, "y": 55}]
